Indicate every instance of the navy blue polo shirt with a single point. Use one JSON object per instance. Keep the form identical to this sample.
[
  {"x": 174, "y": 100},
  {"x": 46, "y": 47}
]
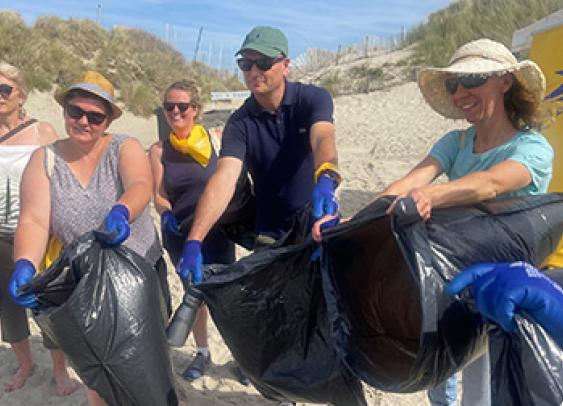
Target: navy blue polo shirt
[{"x": 276, "y": 149}]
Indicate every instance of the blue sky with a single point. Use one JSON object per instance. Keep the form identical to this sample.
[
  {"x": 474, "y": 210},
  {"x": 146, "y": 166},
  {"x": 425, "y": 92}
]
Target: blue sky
[{"x": 307, "y": 23}]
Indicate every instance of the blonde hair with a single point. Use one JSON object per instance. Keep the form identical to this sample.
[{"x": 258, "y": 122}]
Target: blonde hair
[
  {"x": 14, "y": 74},
  {"x": 188, "y": 86}
]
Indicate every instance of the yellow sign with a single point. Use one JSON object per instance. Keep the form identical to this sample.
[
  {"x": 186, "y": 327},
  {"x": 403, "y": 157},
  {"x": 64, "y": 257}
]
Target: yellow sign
[{"x": 547, "y": 52}]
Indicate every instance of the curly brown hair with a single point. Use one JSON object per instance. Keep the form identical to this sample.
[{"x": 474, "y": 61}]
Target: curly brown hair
[{"x": 522, "y": 108}]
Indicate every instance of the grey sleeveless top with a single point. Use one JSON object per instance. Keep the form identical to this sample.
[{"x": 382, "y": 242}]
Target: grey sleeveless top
[{"x": 76, "y": 210}]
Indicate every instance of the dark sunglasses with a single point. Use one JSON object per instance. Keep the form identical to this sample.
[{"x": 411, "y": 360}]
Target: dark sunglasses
[
  {"x": 467, "y": 81},
  {"x": 264, "y": 64},
  {"x": 77, "y": 113},
  {"x": 169, "y": 106},
  {"x": 6, "y": 90}
]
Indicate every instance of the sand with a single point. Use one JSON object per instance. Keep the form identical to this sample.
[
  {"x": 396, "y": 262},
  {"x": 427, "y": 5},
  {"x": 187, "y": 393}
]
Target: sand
[{"x": 379, "y": 135}]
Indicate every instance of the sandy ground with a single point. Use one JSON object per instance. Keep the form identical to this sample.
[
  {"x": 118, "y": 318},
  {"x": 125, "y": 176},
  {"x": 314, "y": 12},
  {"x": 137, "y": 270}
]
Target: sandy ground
[{"x": 380, "y": 136}]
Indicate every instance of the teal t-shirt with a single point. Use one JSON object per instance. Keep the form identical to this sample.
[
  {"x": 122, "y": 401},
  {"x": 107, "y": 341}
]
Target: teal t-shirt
[{"x": 527, "y": 147}]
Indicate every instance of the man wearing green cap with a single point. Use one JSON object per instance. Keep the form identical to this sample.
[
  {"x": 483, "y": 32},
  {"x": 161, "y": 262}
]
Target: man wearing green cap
[{"x": 284, "y": 135}]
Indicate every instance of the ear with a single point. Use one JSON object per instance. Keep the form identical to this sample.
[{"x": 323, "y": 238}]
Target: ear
[
  {"x": 506, "y": 82},
  {"x": 286, "y": 66}
]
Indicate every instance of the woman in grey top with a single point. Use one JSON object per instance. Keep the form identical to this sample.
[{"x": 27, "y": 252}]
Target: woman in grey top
[{"x": 96, "y": 178}]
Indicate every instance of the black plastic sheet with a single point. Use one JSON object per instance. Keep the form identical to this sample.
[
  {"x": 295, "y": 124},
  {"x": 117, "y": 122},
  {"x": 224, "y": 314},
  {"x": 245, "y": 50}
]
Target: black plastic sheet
[
  {"x": 104, "y": 309},
  {"x": 376, "y": 308}
]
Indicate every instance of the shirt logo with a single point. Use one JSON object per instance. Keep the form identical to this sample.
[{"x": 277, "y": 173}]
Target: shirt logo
[{"x": 302, "y": 131}]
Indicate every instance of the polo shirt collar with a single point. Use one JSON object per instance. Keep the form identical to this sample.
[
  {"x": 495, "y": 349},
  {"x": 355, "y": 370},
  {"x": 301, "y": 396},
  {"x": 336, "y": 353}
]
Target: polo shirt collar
[{"x": 289, "y": 98}]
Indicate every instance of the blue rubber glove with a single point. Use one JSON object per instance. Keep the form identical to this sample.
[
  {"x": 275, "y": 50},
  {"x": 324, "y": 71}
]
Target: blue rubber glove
[
  {"x": 324, "y": 201},
  {"x": 191, "y": 262},
  {"x": 22, "y": 275},
  {"x": 501, "y": 290},
  {"x": 168, "y": 224},
  {"x": 116, "y": 226}
]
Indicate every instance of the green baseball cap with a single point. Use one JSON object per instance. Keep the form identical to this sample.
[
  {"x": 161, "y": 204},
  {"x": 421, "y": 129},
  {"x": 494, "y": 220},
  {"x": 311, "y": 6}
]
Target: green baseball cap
[{"x": 268, "y": 41}]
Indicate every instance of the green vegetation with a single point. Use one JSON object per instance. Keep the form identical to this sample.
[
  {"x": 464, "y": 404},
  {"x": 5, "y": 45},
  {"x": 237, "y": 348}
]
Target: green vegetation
[
  {"x": 467, "y": 20},
  {"x": 54, "y": 52}
]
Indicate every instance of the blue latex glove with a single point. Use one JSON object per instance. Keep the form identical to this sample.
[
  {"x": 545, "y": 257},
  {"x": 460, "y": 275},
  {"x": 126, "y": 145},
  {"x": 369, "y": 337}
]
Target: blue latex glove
[
  {"x": 22, "y": 275},
  {"x": 168, "y": 224},
  {"x": 501, "y": 290},
  {"x": 191, "y": 262},
  {"x": 324, "y": 201},
  {"x": 116, "y": 226}
]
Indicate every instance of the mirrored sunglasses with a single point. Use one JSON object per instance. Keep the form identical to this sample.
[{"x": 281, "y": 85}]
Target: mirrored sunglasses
[
  {"x": 77, "y": 113},
  {"x": 264, "y": 64},
  {"x": 169, "y": 106},
  {"x": 467, "y": 81},
  {"x": 6, "y": 90}
]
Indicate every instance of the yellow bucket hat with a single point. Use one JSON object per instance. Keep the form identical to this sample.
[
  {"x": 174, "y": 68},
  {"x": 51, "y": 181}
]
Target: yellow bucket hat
[
  {"x": 97, "y": 84},
  {"x": 482, "y": 56}
]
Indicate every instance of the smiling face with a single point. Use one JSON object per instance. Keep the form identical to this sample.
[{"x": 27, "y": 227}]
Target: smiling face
[
  {"x": 10, "y": 104},
  {"x": 180, "y": 121},
  {"x": 264, "y": 82},
  {"x": 483, "y": 103},
  {"x": 80, "y": 129}
]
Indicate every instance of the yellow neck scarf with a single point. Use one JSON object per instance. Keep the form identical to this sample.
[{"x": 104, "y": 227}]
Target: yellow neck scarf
[{"x": 197, "y": 145}]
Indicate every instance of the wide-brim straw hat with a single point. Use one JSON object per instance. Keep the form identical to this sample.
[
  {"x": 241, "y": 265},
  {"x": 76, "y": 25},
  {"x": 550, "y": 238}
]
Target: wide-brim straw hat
[
  {"x": 482, "y": 56},
  {"x": 95, "y": 83}
]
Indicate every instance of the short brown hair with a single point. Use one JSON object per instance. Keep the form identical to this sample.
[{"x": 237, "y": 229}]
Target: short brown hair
[{"x": 188, "y": 86}]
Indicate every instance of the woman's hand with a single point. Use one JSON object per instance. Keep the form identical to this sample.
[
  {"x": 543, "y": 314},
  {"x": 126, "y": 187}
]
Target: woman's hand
[
  {"x": 421, "y": 198},
  {"x": 322, "y": 224}
]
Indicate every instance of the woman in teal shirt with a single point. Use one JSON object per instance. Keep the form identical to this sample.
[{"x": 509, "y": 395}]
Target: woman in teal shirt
[{"x": 500, "y": 154}]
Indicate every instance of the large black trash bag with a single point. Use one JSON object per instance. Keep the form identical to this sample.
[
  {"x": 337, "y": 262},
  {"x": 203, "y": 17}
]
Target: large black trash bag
[
  {"x": 382, "y": 306},
  {"x": 384, "y": 281},
  {"x": 270, "y": 311},
  {"x": 103, "y": 307}
]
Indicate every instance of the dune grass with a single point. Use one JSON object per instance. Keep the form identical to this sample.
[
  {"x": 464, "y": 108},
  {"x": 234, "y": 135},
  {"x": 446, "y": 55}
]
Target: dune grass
[
  {"x": 467, "y": 20},
  {"x": 53, "y": 52}
]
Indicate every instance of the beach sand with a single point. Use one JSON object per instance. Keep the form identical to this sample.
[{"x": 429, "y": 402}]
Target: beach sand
[{"x": 380, "y": 136}]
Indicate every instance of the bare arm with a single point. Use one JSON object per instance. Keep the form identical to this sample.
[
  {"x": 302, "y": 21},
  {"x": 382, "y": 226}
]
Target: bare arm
[
  {"x": 135, "y": 172},
  {"x": 32, "y": 232},
  {"x": 503, "y": 177},
  {"x": 160, "y": 198},
  {"x": 47, "y": 134},
  {"x": 215, "y": 197},
  {"x": 323, "y": 143},
  {"x": 422, "y": 174}
]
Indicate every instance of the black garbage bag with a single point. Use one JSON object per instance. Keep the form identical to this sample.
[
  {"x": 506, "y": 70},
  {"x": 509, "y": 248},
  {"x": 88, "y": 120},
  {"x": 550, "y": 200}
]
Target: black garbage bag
[
  {"x": 104, "y": 309},
  {"x": 378, "y": 301}
]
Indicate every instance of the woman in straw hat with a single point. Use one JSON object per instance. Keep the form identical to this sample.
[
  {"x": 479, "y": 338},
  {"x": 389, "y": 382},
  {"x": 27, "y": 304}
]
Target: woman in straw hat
[
  {"x": 499, "y": 154},
  {"x": 89, "y": 179},
  {"x": 20, "y": 135}
]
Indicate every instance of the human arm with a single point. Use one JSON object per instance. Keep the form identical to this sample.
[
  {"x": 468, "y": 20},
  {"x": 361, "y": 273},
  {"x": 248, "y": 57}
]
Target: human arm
[
  {"x": 47, "y": 134},
  {"x": 136, "y": 177},
  {"x": 215, "y": 197},
  {"x": 32, "y": 233},
  {"x": 475, "y": 187},
  {"x": 168, "y": 222},
  {"x": 501, "y": 290}
]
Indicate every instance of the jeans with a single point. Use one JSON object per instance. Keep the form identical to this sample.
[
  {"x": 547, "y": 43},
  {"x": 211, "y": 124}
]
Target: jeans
[{"x": 475, "y": 380}]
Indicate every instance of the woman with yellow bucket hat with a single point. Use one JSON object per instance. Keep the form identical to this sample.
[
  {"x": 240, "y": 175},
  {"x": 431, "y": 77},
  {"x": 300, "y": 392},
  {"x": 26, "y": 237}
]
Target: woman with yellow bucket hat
[{"x": 97, "y": 179}]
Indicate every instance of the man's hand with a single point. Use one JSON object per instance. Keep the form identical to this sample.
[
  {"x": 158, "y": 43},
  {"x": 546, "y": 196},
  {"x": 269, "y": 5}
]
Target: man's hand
[
  {"x": 22, "y": 275},
  {"x": 324, "y": 201},
  {"x": 503, "y": 289},
  {"x": 191, "y": 262},
  {"x": 169, "y": 224}
]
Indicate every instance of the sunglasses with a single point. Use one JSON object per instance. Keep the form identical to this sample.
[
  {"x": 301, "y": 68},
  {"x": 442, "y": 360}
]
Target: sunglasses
[
  {"x": 264, "y": 64},
  {"x": 77, "y": 113},
  {"x": 467, "y": 81},
  {"x": 6, "y": 90},
  {"x": 169, "y": 106}
]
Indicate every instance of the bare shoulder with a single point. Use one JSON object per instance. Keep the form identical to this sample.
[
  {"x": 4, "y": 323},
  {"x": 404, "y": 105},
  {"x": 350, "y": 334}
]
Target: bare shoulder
[{"x": 47, "y": 133}]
